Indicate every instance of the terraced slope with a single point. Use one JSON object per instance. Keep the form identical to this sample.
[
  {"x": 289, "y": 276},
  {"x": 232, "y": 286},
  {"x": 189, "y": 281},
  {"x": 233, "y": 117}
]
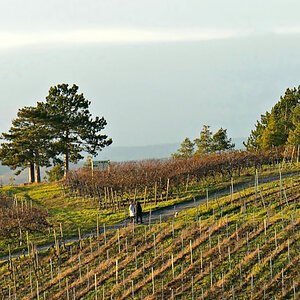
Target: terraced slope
[{"x": 241, "y": 246}]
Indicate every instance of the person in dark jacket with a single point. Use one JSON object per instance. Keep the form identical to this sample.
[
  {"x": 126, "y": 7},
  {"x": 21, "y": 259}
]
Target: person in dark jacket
[{"x": 139, "y": 212}]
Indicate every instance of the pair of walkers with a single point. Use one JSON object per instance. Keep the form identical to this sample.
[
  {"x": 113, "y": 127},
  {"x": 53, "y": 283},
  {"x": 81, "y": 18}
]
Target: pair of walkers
[{"x": 136, "y": 211}]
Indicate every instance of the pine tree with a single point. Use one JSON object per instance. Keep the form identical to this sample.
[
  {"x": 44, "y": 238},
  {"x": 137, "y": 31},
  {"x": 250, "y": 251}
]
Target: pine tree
[
  {"x": 186, "y": 150},
  {"x": 221, "y": 142},
  {"x": 274, "y": 127},
  {"x": 254, "y": 140},
  {"x": 56, "y": 173},
  {"x": 74, "y": 131},
  {"x": 294, "y": 135},
  {"x": 204, "y": 143},
  {"x": 273, "y": 135}
]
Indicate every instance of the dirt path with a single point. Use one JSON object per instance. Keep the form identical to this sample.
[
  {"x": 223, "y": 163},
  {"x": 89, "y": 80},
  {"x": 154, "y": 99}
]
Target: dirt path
[{"x": 166, "y": 212}]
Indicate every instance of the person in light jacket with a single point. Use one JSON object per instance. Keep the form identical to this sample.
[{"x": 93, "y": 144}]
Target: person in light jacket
[{"x": 131, "y": 211}]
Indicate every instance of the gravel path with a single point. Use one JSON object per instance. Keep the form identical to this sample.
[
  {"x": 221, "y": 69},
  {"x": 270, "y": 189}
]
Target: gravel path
[{"x": 166, "y": 212}]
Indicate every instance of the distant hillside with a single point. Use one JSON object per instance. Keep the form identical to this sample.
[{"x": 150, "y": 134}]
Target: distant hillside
[
  {"x": 6, "y": 173},
  {"x": 138, "y": 152},
  {"x": 144, "y": 152}
]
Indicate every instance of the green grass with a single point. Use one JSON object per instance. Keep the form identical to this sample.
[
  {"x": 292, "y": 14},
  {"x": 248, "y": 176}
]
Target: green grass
[{"x": 72, "y": 213}]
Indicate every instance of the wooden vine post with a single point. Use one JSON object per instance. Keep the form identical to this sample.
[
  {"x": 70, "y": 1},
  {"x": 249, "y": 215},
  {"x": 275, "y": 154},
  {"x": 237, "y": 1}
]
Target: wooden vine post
[
  {"x": 96, "y": 292},
  {"x": 155, "y": 192},
  {"x": 172, "y": 261},
  {"x": 231, "y": 191},
  {"x": 207, "y": 199},
  {"x": 116, "y": 271},
  {"x": 191, "y": 251},
  {"x": 145, "y": 195},
  {"x": 132, "y": 289},
  {"x": 97, "y": 227},
  {"x": 167, "y": 192},
  {"x": 153, "y": 284}
]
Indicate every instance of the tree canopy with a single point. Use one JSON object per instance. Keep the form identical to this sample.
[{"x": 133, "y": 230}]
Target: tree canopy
[
  {"x": 186, "y": 150},
  {"x": 74, "y": 129},
  {"x": 221, "y": 142},
  {"x": 294, "y": 134},
  {"x": 279, "y": 126},
  {"x": 60, "y": 126},
  {"x": 27, "y": 143},
  {"x": 206, "y": 143}
]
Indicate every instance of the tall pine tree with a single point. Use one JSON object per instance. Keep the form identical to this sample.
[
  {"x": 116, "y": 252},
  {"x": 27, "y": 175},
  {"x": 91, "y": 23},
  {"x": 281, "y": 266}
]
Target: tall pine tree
[
  {"x": 73, "y": 128},
  {"x": 204, "y": 143},
  {"x": 221, "y": 142}
]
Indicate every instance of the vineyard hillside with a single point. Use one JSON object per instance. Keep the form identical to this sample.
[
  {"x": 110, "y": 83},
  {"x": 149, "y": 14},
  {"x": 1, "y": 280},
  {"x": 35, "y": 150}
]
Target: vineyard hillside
[
  {"x": 83, "y": 200},
  {"x": 241, "y": 246}
]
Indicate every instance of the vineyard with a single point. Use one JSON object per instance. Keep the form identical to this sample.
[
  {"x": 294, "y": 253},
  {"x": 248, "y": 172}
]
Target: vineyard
[
  {"x": 18, "y": 216},
  {"x": 76, "y": 209},
  {"x": 214, "y": 217},
  {"x": 245, "y": 245},
  {"x": 154, "y": 181}
]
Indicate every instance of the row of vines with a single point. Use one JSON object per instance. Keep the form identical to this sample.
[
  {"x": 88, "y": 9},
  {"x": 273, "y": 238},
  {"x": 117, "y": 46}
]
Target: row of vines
[
  {"x": 244, "y": 246},
  {"x": 18, "y": 216},
  {"x": 161, "y": 180}
]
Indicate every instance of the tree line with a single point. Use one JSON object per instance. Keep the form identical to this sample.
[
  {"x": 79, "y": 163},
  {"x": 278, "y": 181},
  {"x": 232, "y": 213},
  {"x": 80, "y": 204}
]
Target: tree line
[
  {"x": 207, "y": 143},
  {"x": 280, "y": 126},
  {"x": 55, "y": 131}
]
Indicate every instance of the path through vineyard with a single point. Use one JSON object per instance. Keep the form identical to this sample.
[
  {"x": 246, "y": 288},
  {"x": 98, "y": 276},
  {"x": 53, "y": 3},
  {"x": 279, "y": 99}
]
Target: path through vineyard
[{"x": 166, "y": 212}]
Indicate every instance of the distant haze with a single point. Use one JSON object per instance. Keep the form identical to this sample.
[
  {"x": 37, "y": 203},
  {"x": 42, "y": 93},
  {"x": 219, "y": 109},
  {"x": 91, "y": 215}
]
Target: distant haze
[
  {"x": 157, "y": 70},
  {"x": 147, "y": 152},
  {"x": 159, "y": 93}
]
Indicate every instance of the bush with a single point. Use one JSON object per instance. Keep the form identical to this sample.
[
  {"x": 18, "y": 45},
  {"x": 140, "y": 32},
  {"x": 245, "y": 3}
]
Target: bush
[{"x": 56, "y": 173}]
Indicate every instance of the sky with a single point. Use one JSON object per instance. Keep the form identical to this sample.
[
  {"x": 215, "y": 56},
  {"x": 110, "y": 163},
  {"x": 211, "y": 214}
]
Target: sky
[{"x": 157, "y": 70}]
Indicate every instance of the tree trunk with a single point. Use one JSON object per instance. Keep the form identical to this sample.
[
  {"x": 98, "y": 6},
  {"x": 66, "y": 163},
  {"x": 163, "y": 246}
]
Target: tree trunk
[
  {"x": 37, "y": 174},
  {"x": 66, "y": 165},
  {"x": 30, "y": 172}
]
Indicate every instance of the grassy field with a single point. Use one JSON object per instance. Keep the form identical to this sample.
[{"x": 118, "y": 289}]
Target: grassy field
[
  {"x": 242, "y": 246},
  {"x": 71, "y": 213}
]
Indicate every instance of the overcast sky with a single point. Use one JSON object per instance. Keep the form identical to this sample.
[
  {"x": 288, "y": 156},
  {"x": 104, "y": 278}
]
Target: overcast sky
[{"x": 157, "y": 70}]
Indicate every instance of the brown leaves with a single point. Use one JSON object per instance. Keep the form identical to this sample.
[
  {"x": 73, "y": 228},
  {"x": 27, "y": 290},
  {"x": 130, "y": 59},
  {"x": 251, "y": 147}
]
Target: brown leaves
[{"x": 14, "y": 218}]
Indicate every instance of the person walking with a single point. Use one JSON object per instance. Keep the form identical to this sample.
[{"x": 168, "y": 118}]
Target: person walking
[
  {"x": 139, "y": 213},
  {"x": 131, "y": 212}
]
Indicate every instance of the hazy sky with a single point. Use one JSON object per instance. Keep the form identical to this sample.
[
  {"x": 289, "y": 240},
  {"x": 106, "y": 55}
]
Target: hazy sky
[{"x": 157, "y": 70}]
